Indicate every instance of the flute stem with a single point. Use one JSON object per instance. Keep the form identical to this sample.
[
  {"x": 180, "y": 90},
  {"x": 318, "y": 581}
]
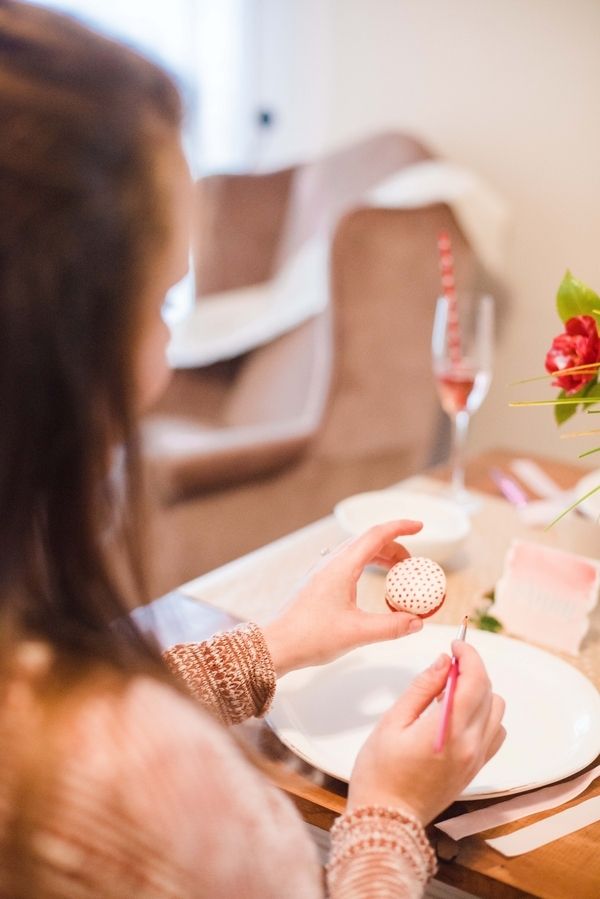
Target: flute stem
[{"x": 459, "y": 444}]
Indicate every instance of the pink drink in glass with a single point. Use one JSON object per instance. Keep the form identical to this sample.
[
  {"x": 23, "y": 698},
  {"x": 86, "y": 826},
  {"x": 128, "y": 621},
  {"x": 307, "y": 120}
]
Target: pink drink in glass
[{"x": 454, "y": 389}]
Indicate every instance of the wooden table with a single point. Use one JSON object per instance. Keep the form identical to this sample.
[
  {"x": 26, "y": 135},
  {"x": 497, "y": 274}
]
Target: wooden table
[{"x": 566, "y": 869}]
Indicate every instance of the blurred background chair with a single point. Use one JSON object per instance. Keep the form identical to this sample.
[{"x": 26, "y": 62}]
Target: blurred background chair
[{"x": 245, "y": 450}]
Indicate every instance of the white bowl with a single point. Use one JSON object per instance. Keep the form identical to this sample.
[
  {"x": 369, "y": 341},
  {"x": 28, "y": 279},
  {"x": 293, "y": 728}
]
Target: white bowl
[{"x": 445, "y": 525}]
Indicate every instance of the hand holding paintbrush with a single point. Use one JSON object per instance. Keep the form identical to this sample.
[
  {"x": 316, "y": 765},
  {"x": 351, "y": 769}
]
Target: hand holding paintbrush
[
  {"x": 398, "y": 765},
  {"x": 448, "y": 698}
]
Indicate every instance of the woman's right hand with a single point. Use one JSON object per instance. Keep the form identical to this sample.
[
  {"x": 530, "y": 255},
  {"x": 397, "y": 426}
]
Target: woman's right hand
[{"x": 397, "y": 765}]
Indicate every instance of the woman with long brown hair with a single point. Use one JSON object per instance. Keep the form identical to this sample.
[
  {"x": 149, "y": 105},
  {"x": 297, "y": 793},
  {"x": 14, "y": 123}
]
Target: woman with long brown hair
[{"x": 112, "y": 781}]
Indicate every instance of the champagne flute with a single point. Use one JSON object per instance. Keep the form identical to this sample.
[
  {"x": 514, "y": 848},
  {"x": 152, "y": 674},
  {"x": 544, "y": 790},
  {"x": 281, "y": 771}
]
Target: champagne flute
[{"x": 462, "y": 348}]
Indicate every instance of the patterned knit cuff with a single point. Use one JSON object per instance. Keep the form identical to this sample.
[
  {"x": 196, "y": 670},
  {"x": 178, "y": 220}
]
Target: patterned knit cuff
[
  {"x": 374, "y": 842},
  {"x": 232, "y": 674}
]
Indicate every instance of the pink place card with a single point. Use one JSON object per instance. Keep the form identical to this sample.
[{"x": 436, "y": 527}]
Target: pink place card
[{"x": 545, "y": 595}]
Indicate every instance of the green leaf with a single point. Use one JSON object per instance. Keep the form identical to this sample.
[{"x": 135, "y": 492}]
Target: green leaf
[
  {"x": 589, "y": 391},
  {"x": 563, "y": 413},
  {"x": 485, "y": 621},
  {"x": 576, "y": 298},
  {"x": 592, "y": 389},
  {"x": 489, "y": 623}
]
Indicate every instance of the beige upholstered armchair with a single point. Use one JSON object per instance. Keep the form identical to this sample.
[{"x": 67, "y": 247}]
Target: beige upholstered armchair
[{"x": 248, "y": 449}]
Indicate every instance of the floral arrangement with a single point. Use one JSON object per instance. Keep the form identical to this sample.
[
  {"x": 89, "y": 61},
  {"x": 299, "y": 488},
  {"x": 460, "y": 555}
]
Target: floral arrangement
[
  {"x": 573, "y": 363},
  {"x": 573, "y": 360},
  {"x": 574, "y": 357}
]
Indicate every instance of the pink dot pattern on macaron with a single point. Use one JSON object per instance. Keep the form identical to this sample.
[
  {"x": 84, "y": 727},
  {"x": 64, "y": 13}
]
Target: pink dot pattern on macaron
[{"x": 415, "y": 585}]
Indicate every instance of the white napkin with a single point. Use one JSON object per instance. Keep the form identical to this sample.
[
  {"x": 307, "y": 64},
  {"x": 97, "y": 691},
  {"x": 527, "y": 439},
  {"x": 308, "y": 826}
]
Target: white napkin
[
  {"x": 528, "y": 838},
  {"x": 554, "y": 500},
  {"x": 518, "y": 807}
]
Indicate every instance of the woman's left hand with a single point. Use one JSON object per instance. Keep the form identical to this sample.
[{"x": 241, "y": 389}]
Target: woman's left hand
[{"x": 322, "y": 620}]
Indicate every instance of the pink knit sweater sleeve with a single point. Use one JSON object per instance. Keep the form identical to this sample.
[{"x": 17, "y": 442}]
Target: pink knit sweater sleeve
[
  {"x": 376, "y": 852},
  {"x": 380, "y": 853},
  {"x": 231, "y": 674}
]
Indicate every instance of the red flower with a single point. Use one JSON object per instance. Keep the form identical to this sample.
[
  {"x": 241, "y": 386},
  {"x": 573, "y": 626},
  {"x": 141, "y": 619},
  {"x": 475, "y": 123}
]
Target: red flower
[{"x": 578, "y": 345}]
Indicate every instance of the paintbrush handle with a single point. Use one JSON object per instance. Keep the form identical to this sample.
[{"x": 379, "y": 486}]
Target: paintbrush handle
[{"x": 447, "y": 705}]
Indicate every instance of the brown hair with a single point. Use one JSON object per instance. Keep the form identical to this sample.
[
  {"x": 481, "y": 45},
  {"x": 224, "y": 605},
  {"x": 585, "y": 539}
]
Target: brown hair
[
  {"x": 84, "y": 122},
  {"x": 83, "y": 119}
]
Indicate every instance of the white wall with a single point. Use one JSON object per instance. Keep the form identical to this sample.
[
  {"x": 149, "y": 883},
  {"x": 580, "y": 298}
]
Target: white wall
[
  {"x": 507, "y": 87},
  {"x": 295, "y": 78}
]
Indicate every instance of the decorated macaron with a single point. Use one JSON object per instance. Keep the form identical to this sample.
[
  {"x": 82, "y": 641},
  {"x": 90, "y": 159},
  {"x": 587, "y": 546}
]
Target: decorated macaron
[{"x": 417, "y": 586}]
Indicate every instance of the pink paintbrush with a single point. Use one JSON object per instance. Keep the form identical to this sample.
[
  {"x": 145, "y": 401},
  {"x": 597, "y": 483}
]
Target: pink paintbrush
[{"x": 449, "y": 692}]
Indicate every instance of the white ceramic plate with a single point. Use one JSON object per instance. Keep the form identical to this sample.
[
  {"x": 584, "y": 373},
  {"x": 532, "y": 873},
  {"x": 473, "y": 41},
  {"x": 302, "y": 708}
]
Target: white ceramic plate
[
  {"x": 445, "y": 525},
  {"x": 591, "y": 506},
  {"x": 552, "y": 711}
]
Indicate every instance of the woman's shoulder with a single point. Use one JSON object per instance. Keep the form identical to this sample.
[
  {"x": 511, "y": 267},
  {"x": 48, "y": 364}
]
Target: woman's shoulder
[
  {"x": 101, "y": 719},
  {"x": 128, "y": 778},
  {"x": 115, "y": 770},
  {"x": 159, "y": 754},
  {"x": 144, "y": 725},
  {"x": 173, "y": 773}
]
